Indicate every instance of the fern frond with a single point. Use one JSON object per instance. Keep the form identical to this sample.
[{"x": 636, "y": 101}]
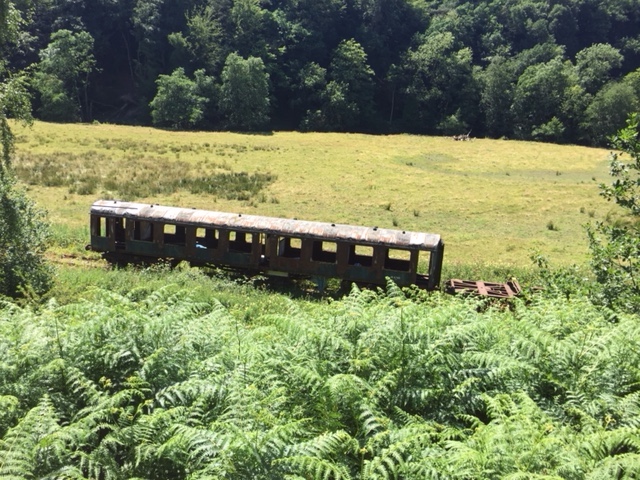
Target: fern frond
[
  {"x": 28, "y": 446},
  {"x": 314, "y": 467}
]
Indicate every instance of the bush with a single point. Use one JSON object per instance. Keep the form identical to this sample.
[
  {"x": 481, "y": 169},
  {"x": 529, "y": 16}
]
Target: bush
[
  {"x": 23, "y": 231},
  {"x": 615, "y": 247},
  {"x": 178, "y": 103},
  {"x": 23, "y": 236}
]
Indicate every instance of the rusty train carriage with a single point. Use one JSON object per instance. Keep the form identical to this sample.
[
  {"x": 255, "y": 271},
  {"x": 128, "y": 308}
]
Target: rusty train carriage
[{"x": 275, "y": 246}]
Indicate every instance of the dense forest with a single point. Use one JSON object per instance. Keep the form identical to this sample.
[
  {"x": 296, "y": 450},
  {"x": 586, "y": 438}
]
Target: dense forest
[{"x": 560, "y": 71}]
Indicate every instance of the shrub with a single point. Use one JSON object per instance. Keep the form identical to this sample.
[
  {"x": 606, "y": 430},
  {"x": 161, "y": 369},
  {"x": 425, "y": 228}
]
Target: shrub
[
  {"x": 615, "y": 246},
  {"x": 23, "y": 236}
]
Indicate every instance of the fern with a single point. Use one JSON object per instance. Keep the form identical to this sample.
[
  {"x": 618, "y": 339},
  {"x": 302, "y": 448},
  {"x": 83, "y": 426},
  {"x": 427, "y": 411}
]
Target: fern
[{"x": 29, "y": 449}]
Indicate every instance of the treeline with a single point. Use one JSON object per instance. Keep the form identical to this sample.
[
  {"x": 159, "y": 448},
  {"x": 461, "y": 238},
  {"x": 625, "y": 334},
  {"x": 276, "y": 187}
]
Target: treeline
[{"x": 561, "y": 71}]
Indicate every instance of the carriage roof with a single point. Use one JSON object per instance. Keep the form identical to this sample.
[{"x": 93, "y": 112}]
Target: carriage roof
[{"x": 272, "y": 225}]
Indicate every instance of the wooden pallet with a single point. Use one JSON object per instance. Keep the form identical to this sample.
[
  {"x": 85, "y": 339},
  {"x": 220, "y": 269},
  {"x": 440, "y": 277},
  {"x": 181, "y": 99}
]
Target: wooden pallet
[{"x": 488, "y": 289}]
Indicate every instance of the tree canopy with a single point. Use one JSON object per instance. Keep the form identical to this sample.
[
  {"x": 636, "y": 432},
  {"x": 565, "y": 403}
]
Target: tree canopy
[{"x": 526, "y": 69}]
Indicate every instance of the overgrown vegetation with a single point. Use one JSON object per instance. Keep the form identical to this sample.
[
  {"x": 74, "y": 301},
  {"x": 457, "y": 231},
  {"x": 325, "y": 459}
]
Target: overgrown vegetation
[
  {"x": 615, "y": 246},
  {"x": 23, "y": 230},
  {"x": 132, "y": 177},
  {"x": 157, "y": 384}
]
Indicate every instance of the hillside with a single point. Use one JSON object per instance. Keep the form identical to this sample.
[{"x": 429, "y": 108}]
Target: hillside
[{"x": 563, "y": 71}]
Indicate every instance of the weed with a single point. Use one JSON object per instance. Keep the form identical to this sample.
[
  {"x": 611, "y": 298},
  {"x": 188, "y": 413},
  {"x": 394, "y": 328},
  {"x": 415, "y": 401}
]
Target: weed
[
  {"x": 582, "y": 209},
  {"x": 387, "y": 206},
  {"x": 416, "y": 213},
  {"x": 552, "y": 226},
  {"x": 394, "y": 221}
]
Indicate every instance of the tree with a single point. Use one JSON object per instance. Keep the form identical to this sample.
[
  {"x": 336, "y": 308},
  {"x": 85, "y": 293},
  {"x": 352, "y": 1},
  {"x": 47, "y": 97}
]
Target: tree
[
  {"x": 178, "y": 103},
  {"x": 539, "y": 96},
  {"x": 244, "y": 95},
  {"x": 63, "y": 76},
  {"x": 23, "y": 231},
  {"x": 205, "y": 35},
  {"x": 609, "y": 109},
  {"x": 347, "y": 99},
  {"x": 594, "y": 65},
  {"x": 497, "y": 81},
  {"x": 615, "y": 246},
  {"x": 439, "y": 83}
]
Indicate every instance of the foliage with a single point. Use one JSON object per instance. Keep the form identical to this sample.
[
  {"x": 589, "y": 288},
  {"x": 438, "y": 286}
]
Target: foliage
[
  {"x": 23, "y": 240},
  {"x": 615, "y": 247},
  {"x": 594, "y": 65},
  {"x": 23, "y": 232},
  {"x": 609, "y": 110},
  {"x": 160, "y": 384},
  {"x": 406, "y": 49},
  {"x": 347, "y": 99},
  {"x": 63, "y": 76},
  {"x": 178, "y": 103},
  {"x": 244, "y": 95}
]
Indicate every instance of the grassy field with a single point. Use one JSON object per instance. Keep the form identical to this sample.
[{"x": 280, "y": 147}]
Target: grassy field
[{"x": 493, "y": 201}]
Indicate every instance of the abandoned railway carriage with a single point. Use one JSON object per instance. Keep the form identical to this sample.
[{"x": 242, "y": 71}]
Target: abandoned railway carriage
[{"x": 126, "y": 231}]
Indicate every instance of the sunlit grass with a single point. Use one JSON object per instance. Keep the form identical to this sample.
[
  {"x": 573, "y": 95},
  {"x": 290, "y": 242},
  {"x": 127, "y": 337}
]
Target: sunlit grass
[{"x": 491, "y": 200}]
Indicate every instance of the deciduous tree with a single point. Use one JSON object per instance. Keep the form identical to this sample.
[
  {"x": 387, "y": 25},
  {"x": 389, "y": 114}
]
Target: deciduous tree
[
  {"x": 594, "y": 65},
  {"x": 178, "y": 103},
  {"x": 63, "y": 76},
  {"x": 244, "y": 95}
]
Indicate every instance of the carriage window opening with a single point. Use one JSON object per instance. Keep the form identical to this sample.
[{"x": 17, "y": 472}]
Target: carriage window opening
[
  {"x": 174, "y": 234},
  {"x": 98, "y": 226},
  {"x": 143, "y": 230},
  {"x": 119, "y": 228},
  {"x": 289, "y": 247},
  {"x": 361, "y": 255},
  {"x": 240, "y": 242},
  {"x": 398, "y": 260},
  {"x": 207, "y": 238},
  {"x": 324, "y": 252}
]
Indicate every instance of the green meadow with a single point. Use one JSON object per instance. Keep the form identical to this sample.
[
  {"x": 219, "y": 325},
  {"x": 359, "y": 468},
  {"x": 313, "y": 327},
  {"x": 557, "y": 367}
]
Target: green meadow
[{"x": 494, "y": 202}]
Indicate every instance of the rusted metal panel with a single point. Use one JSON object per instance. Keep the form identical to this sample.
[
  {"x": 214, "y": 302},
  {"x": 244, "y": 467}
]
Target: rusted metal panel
[
  {"x": 488, "y": 289},
  {"x": 297, "y": 228}
]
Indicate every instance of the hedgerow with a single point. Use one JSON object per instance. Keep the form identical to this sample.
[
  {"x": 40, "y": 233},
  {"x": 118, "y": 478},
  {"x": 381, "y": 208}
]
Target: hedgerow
[{"x": 162, "y": 385}]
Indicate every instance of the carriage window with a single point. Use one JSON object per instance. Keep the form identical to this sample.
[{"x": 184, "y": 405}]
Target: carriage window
[
  {"x": 143, "y": 230},
  {"x": 398, "y": 260},
  {"x": 289, "y": 247},
  {"x": 207, "y": 238},
  {"x": 360, "y": 255},
  {"x": 324, "y": 252},
  {"x": 119, "y": 229},
  {"x": 98, "y": 226},
  {"x": 174, "y": 234},
  {"x": 240, "y": 242}
]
